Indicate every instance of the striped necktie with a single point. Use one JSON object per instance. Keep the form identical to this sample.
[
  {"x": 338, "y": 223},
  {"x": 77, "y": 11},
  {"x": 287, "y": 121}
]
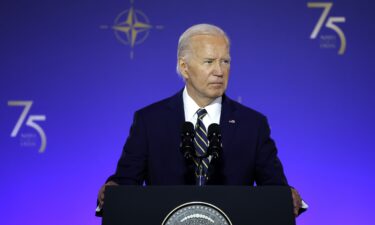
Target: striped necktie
[{"x": 201, "y": 145}]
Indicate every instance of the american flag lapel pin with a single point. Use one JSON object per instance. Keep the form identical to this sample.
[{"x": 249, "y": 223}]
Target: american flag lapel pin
[{"x": 232, "y": 121}]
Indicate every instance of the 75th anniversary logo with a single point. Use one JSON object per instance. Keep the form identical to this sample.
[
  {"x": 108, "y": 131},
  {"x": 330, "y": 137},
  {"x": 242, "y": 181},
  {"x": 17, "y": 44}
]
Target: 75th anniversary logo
[
  {"x": 29, "y": 139},
  {"x": 329, "y": 22}
]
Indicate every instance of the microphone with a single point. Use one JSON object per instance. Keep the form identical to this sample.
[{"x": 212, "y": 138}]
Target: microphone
[
  {"x": 187, "y": 140},
  {"x": 214, "y": 137}
]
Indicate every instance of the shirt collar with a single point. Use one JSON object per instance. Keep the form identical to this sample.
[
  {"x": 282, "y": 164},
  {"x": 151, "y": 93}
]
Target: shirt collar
[{"x": 191, "y": 108}]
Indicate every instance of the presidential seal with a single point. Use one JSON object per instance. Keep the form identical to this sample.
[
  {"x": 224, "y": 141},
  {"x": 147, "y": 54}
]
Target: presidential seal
[{"x": 196, "y": 213}]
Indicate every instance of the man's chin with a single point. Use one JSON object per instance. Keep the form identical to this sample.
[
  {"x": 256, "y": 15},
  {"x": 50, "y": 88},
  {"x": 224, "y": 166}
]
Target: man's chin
[{"x": 216, "y": 93}]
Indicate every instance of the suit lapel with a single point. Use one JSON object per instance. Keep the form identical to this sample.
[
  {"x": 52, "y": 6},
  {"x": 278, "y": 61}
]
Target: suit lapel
[
  {"x": 176, "y": 105},
  {"x": 227, "y": 122},
  {"x": 228, "y": 127}
]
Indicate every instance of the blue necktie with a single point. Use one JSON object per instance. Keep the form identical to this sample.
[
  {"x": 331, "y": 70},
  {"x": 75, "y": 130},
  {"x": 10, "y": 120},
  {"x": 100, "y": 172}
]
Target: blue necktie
[{"x": 201, "y": 145}]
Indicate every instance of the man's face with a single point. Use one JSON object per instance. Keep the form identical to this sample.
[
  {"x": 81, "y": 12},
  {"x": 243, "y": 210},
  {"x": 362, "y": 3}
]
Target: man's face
[{"x": 206, "y": 69}]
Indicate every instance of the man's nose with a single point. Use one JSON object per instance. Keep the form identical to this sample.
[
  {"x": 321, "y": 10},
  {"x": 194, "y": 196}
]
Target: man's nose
[{"x": 218, "y": 69}]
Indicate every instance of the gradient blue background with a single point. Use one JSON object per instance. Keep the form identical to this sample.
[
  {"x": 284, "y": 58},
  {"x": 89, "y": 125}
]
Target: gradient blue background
[{"x": 320, "y": 105}]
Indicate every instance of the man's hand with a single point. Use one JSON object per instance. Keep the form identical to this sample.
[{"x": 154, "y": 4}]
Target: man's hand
[
  {"x": 297, "y": 201},
  {"x": 101, "y": 192}
]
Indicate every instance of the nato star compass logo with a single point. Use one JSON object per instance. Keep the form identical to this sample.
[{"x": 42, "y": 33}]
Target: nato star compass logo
[{"x": 131, "y": 27}]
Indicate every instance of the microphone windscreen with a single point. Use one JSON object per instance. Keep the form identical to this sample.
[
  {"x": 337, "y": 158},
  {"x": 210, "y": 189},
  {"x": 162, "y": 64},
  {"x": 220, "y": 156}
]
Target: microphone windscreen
[
  {"x": 187, "y": 127},
  {"x": 213, "y": 129}
]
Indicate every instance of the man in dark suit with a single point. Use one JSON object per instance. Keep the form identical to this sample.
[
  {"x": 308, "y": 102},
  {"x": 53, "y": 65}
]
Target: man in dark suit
[{"x": 151, "y": 154}]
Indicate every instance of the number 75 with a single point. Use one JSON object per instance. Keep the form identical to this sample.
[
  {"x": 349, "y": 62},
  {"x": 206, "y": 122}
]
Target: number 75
[
  {"x": 330, "y": 24},
  {"x": 30, "y": 122}
]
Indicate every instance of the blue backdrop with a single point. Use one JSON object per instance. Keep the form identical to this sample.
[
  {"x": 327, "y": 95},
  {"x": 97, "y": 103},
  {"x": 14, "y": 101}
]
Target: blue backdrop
[{"x": 73, "y": 72}]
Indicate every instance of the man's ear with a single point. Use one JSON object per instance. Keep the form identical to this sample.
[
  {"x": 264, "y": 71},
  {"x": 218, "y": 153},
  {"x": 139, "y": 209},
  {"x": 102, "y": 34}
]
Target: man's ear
[{"x": 183, "y": 67}]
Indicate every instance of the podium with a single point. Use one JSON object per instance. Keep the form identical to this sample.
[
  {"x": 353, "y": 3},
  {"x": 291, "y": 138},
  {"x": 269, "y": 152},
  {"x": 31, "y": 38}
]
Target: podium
[{"x": 183, "y": 205}]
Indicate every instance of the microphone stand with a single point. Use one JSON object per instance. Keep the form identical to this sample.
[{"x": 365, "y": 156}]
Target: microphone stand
[{"x": 200, "y": 169}]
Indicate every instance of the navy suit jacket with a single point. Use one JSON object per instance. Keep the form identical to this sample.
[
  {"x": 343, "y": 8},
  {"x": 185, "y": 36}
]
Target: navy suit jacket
[{"x": 151, "y": 153}]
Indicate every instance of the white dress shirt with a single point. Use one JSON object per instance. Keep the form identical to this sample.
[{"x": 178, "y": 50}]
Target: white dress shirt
[{"x": 191, "y": 108}]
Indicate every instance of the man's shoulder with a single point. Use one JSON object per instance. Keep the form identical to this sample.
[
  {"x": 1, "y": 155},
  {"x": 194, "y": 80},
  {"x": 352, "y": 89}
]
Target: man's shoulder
[{"x": 243, "y": 110}]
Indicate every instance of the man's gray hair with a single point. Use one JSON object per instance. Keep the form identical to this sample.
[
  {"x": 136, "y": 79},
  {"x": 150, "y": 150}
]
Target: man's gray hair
[{"x": 183, "y": 48}]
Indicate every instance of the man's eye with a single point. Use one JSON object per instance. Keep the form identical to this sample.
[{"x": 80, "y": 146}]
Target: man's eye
[
  {"x": 208, "y": 61},
  {"x": 226, "y": 61}
]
